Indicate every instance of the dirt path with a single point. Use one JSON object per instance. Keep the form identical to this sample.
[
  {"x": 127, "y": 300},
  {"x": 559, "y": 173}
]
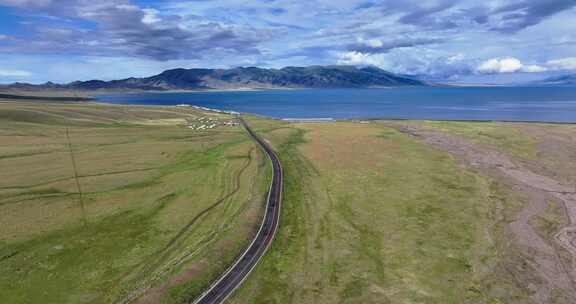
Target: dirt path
[
  {"x": 542, "y": 255},
  {"x": 157, "y": 263}
]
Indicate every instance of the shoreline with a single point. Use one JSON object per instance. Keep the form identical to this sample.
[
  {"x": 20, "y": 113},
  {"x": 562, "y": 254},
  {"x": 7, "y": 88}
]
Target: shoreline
[
  {"x": 91, "y": 100},
  {"x": 332, "y": 119}
]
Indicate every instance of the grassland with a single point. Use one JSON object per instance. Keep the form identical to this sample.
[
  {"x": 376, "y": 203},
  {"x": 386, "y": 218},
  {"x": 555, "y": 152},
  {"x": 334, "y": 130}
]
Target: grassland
[
  {"x": 545, "y": 148},
  {"x": 372, "y": 215},
  {"x": 502, "y": 136},
  {"x": 156, "y": 212}
]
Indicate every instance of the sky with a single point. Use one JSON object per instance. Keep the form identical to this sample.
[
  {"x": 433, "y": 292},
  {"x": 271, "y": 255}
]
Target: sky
[{"x": 446, "y": 40}]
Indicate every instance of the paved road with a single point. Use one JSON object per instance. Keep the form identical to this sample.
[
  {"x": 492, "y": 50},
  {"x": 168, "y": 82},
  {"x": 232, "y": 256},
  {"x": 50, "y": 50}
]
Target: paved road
[{"x": 237, "y": 273}]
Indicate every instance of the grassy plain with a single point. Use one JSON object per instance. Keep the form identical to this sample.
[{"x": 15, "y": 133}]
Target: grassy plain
[
  {"x": 163, "y": 209},
  {"x": 545, "y": 148},
  {"x": 501, "y": 136},
  {"x": 372, "y": 215}
]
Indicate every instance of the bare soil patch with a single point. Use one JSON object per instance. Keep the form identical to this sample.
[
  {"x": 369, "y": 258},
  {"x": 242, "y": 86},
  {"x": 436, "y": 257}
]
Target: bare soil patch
[
  {"x": 554, "y": 274},
  {"x": 156, "y": 294}
]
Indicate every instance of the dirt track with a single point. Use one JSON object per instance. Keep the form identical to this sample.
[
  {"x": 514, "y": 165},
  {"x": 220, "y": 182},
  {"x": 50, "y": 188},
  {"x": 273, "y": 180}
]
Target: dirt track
[
  {"x": 150, "y": 294},
  {"x": 543, "y": 256}
]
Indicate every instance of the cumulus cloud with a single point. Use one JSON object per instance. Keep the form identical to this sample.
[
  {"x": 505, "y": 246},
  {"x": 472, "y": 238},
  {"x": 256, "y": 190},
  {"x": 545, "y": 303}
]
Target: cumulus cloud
[
  {"x": 534, "y": 68},
  {"x": 410, "y": 36},
  {"x": 507, "y": 65},
  {"x": 439, "y": 65},
  {"x": 500, "y": 65},
  {"x": 14, "y": 73},
  {"x": 432, "y": 64},
  {"x": 124, "y": 29}
]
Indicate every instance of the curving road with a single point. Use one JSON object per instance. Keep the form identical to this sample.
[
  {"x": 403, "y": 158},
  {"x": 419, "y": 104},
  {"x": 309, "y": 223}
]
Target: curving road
[{"x": 237, "y": 273}]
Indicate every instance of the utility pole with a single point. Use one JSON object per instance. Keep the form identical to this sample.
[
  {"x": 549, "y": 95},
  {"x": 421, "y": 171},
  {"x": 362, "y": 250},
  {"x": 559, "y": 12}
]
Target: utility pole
[{"x": 75, "y": 169}]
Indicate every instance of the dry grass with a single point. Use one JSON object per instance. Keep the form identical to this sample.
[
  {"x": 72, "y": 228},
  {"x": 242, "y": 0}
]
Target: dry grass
[{"x": 499, "y": 135}]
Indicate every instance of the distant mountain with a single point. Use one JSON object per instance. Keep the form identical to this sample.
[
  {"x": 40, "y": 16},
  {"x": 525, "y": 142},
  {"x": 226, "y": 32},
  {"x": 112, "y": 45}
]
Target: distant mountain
[
  {"x": 564, "y": 80},
  {"x": 249, "y": 78}
]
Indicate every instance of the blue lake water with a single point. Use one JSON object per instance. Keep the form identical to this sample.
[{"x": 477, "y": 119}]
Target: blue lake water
[{"x": 553, "y": 104}]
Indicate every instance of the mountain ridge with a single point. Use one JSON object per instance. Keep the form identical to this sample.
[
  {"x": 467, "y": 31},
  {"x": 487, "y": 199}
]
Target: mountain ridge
[
  {"x": 562, "y": 80},
  {"x": 244, "y": 78}
]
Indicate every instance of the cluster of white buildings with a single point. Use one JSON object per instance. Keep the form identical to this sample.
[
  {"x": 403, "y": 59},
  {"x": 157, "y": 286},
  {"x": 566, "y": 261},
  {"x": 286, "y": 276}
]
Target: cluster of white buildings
[
  {"x": 203, "y": 123},
  {"x": 206, "y": 123}
]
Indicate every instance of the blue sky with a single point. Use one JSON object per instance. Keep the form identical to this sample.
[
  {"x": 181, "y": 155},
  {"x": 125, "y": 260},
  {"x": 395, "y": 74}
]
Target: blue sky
[{"x": 449, "y": 40}]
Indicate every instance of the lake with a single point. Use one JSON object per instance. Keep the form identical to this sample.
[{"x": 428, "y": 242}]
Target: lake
[{"x": 551, "y": 104}]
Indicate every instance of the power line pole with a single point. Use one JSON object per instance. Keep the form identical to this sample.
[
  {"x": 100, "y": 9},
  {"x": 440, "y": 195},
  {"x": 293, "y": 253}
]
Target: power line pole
[{"x": 75, "y": 169}]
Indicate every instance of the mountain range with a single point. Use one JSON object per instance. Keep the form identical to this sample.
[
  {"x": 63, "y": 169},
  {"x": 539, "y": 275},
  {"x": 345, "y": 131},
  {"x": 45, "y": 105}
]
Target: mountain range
[
  {"x": 244, "y": 78},
  {"x": 563, "y": 80}
]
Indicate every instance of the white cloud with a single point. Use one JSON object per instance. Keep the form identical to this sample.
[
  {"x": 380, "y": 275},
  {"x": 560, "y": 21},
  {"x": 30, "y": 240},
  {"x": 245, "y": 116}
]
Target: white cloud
[
  {"x": 563, "y": 63},
  {"x": 150, "y": 16},
  {"x": 534, "y": 68},
  {"x": 375, "y": 43},
  {"x": 123, "y": 29},
  {"x": 14, "y": 73},
  {"x": 438, "y": 65},
  {"x": 411, "y": 36},
  {"x": 358, "y": 58},
  {"x": 421, "y": 61},
  {"x": 507, "y": 65},
  {"x": 500, "y": 65}
]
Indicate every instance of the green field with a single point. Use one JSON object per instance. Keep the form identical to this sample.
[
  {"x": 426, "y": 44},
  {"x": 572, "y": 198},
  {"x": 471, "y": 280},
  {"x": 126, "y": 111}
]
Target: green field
[
  {"x": 128, "y": 204},
  {"x": 372, "y": 215},
  {"x": 163, "y": 208},
  {"x": 544, "y": 147},
  {"x": 502, "y": 136}
]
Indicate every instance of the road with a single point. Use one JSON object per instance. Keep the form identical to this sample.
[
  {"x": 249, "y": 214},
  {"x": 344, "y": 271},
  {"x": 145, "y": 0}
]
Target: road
[{"x": 237, "y": 273}]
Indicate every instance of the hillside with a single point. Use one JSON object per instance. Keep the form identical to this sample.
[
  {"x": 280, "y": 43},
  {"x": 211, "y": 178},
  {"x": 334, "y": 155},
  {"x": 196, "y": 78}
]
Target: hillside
[
  {"x": 564, "y": 80},
  {"x": 249, "y": 77}
]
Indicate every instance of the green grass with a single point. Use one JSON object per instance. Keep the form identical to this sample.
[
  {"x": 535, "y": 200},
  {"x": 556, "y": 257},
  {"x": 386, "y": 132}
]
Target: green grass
[
  {"x": 370, "y": 215},
  {"x": 148, "y": 229},
  {"x": 373, "y": 216},
  {"x": 502, "y": 136},
  {"x": 78, "y": 263}
]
